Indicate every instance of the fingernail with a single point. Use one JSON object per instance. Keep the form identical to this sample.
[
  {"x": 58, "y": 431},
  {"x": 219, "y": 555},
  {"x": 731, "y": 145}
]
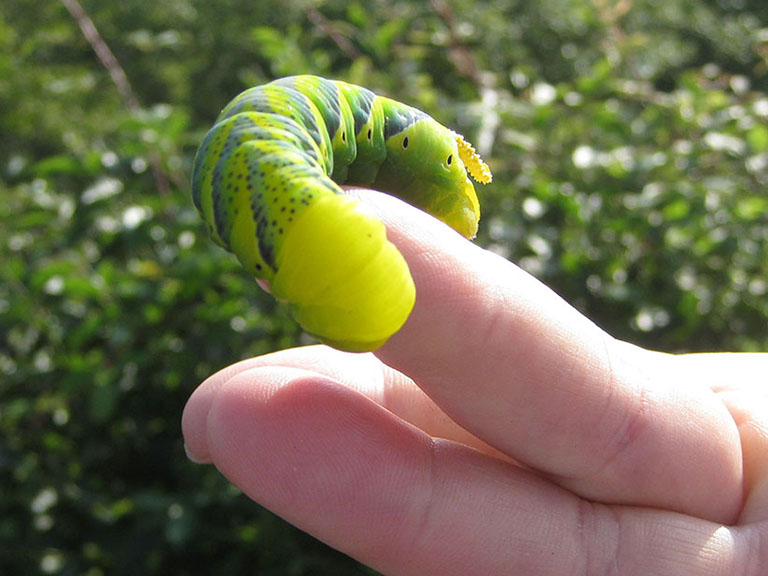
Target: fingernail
[{"x": 193, "y": 458}]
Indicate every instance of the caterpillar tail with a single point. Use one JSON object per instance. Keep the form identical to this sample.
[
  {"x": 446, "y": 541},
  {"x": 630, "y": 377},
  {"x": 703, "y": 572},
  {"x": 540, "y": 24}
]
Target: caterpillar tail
[{"x": 345, "y": 282}]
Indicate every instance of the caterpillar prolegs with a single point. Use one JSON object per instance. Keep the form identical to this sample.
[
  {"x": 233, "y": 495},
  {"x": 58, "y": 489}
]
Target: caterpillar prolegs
[{"x": 266, "y": 181}]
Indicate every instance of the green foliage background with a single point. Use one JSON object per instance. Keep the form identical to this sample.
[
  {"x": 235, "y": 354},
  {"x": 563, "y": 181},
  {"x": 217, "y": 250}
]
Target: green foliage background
[{"x": 629, "y": 142}]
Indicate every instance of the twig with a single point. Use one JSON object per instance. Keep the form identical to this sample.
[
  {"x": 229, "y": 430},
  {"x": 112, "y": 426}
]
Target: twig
[
  {"x": 329, "y": 29},
  {"x": 105, "y": 55},
  {"x": 459, "y": 53},
  {"x": 119, "y": 78},
  {"x": 611, "y": 14}
]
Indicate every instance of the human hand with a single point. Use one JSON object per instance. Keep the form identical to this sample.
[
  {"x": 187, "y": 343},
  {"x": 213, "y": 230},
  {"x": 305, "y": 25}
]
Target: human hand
[{"x": 499, "y": 432}]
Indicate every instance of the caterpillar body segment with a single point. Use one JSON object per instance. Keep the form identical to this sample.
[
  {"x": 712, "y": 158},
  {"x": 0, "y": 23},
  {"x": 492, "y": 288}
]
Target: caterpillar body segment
[{"x": 266, "y": 181}]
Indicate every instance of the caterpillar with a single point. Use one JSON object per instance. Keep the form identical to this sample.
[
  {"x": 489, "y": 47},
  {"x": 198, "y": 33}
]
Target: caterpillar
[{"x": 266, "y": 180}]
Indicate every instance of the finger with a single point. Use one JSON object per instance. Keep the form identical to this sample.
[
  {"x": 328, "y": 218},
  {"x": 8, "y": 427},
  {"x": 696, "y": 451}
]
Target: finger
[
  {"x": 361, "y": 372},
  {"x": 750, "y": 412},
  {"x": 333, "y": 462},
  {"x": 509, "y": 360},
  {"x": 741, "y": 383}
]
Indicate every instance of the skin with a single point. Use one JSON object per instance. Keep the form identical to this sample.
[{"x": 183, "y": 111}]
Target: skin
[{"x": 498, "y": 432}]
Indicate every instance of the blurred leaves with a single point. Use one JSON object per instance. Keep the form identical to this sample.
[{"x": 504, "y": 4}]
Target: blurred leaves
[
  {"x": 649, "y": 199},
  {"x": 629, "y": 145}
]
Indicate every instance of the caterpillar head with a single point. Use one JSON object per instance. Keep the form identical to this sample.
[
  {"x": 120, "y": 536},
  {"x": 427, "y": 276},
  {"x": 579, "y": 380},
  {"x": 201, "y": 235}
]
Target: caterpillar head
[{"x": 429, "y": 166}]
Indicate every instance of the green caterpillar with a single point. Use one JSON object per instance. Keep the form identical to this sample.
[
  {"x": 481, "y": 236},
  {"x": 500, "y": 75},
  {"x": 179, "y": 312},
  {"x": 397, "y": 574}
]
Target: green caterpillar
[{"x": 266, "y": 181}]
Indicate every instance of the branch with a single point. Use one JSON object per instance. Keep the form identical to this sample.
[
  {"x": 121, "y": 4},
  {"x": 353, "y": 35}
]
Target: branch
[
  {"x": 459, "y": 53},
  {"x": 105, "y": 55},
  {"x": 327, "y": 28},
  {"x": 119, "y": 79}
]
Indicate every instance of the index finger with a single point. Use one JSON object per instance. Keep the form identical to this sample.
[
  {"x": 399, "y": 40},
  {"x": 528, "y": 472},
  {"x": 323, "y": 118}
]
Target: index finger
[{"x": 512, "y": 362}]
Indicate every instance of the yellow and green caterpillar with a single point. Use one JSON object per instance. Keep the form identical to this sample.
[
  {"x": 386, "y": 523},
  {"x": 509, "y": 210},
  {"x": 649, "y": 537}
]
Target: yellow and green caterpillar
[{"x": 266, "y": 181}]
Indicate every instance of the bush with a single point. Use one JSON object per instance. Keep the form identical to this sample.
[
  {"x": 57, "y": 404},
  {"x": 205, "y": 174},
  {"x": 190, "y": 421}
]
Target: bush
[{"x": 630, "y": 151}]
